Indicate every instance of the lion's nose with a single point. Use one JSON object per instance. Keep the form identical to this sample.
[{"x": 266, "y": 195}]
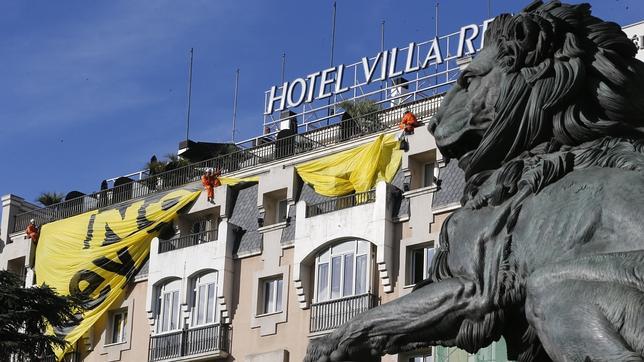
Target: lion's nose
[{"x": 432, "y": 124}]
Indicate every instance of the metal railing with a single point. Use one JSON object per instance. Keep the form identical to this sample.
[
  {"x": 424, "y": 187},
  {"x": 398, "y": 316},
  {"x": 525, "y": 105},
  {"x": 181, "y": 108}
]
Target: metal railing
[
  {"x": 187, "y": 240},
  {"x": 339, "y": 203},
  {"x": 329, "y": 315},
  {"x": 189, "y": 342},
  {"x": 69, "y": 357},
  {"x": 264, "y": 151}
]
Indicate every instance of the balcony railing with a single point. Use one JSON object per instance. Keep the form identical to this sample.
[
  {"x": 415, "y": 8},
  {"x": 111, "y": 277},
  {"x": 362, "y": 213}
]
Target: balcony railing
[
  {"x": 187, "y": 240},
  {"x": 190, "y": 342},
  {"x": 69, "y": 357},
  {"x": 265, "y": 151},
  {"x": 329, "y": 315},
  {"x": 339, "y": 203}
]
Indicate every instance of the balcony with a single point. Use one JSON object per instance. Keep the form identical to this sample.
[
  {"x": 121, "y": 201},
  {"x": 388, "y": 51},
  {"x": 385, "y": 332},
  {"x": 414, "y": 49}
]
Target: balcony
[
  {"x": 326, "y": 316},
  {"x": 246, "y": 158},
  {"x": 340, "y": 203},
  {"x": 187, "y": 240},
  {"x": 191, "y": 344},
  {"x": 69, "y": 357}
]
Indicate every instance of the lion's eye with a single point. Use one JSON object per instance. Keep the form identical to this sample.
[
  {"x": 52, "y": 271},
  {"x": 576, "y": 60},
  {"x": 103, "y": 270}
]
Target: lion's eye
[{"x": 465, "y": 79}]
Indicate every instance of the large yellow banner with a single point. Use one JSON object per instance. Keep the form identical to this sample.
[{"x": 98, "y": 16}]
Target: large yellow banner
[
  {"x": 96, "y": 253},
  {"x": 357, "y": 169}
]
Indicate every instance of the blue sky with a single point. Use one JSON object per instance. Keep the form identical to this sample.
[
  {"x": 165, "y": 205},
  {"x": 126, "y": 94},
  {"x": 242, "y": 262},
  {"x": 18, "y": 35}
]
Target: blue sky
[{"x": 90, "y": 90}]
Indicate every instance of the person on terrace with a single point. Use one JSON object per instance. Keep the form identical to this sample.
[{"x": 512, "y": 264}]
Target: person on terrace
[{"x": 32, "y": 231}]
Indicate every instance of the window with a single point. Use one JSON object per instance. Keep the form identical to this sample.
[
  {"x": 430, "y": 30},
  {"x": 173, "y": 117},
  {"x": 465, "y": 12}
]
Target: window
[
  {"x": 168, "y": 306},
  {"x": 342, "y": 270},
  {"x": 204, "y": 307},
  {"x": 281, "y": 211},
  {"x": 428, "y": 175},
  {"x": 420, "y": 261},
  {"x": 118, "y": 326},
  {"x": 424, "y": 358},
  {"x": 272, "y": 295}
]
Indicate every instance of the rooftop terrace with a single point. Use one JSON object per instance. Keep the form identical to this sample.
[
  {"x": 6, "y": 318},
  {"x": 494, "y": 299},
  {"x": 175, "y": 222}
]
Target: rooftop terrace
[{"x": 265, "y": 151}]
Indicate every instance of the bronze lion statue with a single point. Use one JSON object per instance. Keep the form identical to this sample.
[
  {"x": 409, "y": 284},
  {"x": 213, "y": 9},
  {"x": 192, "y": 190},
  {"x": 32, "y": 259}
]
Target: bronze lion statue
[{"x": 547, "y": 250}]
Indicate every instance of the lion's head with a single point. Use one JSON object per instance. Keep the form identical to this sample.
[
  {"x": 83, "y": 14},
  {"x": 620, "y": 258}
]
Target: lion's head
[{"x": 552, "y": 74}]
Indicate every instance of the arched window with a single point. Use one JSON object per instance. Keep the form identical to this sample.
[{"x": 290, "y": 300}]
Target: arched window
[
  {"x": 204, "y": 299},
  {"x": 342, "y": 270},
  {"x": 168, "y": 306}
]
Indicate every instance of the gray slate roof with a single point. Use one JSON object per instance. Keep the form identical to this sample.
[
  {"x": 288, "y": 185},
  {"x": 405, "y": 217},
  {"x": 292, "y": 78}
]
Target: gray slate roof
[
  {"x": 452, "y": 184},
  {"x": 244, "y": 215}
]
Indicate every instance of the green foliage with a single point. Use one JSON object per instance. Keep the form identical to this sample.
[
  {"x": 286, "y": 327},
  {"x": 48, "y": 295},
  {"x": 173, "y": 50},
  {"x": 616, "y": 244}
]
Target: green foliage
[
  {"x": 363, "y": 113},
  {"x": 50, "y": 198},
  {"x": 26, "y": 312}
]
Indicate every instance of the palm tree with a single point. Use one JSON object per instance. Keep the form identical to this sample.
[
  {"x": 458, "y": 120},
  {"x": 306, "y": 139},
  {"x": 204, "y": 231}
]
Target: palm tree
[
  {"x": 50, "y": 198},
  {"x": 25, "y": 313},
  {"x": 362, "y": 112}
]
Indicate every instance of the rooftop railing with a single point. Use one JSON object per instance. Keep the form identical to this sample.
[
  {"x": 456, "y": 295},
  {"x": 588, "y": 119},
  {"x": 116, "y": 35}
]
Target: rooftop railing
[
  {"x": 267, "y": 150},
  {"x": 339, "y": 203}
]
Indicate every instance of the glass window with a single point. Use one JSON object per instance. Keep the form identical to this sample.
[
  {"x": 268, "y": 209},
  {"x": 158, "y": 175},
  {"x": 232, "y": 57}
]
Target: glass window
[
  {"x": 343, "y": 267},
  {"x": 119, "y": 324},
  {"x": 425, "y": 358},
  {"x": 281, "y": 211},
  {"x": 168, "y": 306},
  {"x": 204, "y": 300},
  {"x": 428, "y": 174},
  {"x": 420, "y": 261},
  {"x": 272, "y": 295}
]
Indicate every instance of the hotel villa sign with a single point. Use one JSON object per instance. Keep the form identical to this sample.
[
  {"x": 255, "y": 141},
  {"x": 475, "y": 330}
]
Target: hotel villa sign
[{"x": 385, "y": 65}]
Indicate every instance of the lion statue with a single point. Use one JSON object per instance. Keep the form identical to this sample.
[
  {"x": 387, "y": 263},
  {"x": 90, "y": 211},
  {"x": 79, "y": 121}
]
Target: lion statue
[{"x": 547, "y": 250}]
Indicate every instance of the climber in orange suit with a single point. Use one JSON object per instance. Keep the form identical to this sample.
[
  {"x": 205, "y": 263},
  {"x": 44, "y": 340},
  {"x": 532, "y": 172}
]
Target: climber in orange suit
[
  {"x": 210, "y": 180},
  {"x": 32, "y": 231},
  {"x": 409, "y": 122}
]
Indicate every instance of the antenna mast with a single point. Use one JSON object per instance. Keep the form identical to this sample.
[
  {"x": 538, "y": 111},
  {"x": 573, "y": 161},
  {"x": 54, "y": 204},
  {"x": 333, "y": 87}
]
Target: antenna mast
[
  {"x": 235, "y": 103},
  {"x": 189, "y": 96}
]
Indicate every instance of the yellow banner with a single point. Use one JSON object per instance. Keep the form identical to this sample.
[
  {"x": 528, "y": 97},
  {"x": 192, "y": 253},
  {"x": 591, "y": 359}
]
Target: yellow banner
[
  {"x": 358, "y": 169},
  {"x": 96, "y": 253},
  {"x": 232, "y": 181}
]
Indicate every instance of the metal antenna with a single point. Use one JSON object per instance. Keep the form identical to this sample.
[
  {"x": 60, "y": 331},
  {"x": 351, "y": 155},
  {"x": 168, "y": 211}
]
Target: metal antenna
[
  {"x": 383, "y": 84},
  {"x": 235, "y": 103},
  {"x": 332, "y": 51},
  {"x": 189, "y": 95},
  {"x": 283, "y": 66}
]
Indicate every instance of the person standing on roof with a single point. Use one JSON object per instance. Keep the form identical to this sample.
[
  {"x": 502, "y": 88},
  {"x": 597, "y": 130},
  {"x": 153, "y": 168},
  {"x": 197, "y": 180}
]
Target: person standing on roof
[
  {"x": 407, "y": 125},
  {"x": 32, "y": 231},
  {"x": 210, "y": 180}
]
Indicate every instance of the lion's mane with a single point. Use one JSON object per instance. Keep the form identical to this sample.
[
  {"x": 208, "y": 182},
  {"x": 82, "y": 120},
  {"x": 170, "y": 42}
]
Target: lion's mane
[{"x": 571, "y": 78}]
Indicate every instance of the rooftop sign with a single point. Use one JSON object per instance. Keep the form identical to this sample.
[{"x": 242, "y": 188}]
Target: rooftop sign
[{"x": 385, "y": 65}]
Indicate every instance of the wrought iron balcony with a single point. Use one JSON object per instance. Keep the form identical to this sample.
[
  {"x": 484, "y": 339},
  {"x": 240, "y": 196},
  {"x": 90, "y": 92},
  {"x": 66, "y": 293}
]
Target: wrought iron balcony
[
  {"x": 69, "y": 357},
  {"x": 326, "y": 316},
  {"x": 190, "y": 342},
  {"x": 339, "y": 203},
  {"x": 263, "y": 152},
  {"x": 187, "y": 240}
]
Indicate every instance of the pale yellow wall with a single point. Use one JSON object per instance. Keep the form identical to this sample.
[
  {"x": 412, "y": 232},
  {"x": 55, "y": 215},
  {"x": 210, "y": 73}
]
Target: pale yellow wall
[
  {"x": 139, "y": 333},
  {"x": 291, "y": 336}
]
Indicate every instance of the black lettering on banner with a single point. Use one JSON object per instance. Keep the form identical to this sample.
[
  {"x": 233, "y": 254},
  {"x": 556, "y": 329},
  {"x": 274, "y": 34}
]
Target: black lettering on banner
[
  {"x": 110, "y": 236},
  {"x": 141, "y": 218},
  {"x": 169, "y": 203},
  {"x": 126, "y": 266},
  {"x": 90, "y": 231},
  {"x": 93, "y": 281}
]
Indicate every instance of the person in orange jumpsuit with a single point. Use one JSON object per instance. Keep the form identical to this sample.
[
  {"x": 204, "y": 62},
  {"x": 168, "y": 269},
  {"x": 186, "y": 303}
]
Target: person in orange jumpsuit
[
  {"x": 32, "y": 231},
  {"x": 209, "y": 181},
  {"x": 407, "y": 125}
]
